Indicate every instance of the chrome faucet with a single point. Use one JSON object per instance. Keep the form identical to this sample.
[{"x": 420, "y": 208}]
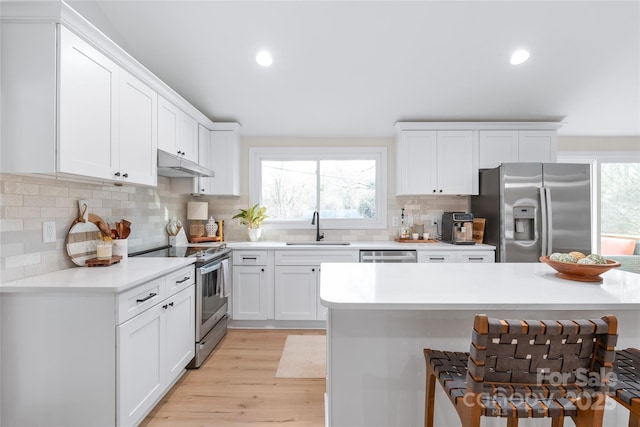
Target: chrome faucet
[{"x": 316, "y": 221}]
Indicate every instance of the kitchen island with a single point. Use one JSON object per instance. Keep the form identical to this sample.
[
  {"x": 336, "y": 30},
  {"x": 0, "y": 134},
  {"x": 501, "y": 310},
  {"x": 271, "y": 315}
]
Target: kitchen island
[{"x": 381, "y": 317}]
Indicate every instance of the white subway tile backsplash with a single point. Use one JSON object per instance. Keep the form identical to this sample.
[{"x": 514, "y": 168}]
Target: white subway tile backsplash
[
  {"x": 8, "y": 225},
  {"x": 54, "y": 190},
  {"x": 22, "y": 212},
  {"x": 27, "y": 201},
  {"x": 11, "y": 200},
  {"x": 22, "y": 260}
]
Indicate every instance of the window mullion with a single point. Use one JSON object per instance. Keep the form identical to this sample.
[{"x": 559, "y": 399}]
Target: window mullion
[{"x": 318, "y": 185}]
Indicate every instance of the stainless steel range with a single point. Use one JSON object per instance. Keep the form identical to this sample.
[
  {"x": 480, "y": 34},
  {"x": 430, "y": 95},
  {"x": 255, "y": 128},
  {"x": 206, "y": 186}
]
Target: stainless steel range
[{"x": 213, "y": 287}]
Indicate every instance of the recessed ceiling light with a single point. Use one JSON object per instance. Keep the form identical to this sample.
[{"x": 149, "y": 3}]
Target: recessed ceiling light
[
  {"x": 264, "y": 58},
  {"x": 519, "y": 56}
]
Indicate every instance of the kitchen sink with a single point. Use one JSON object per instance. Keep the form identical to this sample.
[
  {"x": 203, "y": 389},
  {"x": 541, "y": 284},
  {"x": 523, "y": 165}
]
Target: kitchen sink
[{"x": 320, "y": 243}]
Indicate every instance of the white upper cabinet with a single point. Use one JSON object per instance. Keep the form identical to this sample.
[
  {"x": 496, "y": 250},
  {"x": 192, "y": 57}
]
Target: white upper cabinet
[
  {"x": 435, "y": 162},
  {"x": 88, "y": 110},
  {"x": 505, "y": 146},
  {"x": 105, "y": 118},
  {"x": 138, "y": 152},
  {"x": 177, "y": 131},
  {"x": 75, "y": 105},
  {"x": 225, "y": 159}
]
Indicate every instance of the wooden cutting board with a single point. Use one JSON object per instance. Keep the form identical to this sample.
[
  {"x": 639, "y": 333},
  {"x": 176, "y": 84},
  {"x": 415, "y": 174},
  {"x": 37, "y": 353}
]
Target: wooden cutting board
[
  {"x": 81, "y": 242},
  {"x": 478, "y": 230}
]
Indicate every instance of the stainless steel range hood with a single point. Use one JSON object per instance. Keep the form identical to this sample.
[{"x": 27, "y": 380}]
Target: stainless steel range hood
[{"x": 173, "y": 166}]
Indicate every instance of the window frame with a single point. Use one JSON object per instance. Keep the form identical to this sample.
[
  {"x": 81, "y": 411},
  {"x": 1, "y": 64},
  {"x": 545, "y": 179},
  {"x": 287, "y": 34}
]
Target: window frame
[{"x": 379, "y": 154}]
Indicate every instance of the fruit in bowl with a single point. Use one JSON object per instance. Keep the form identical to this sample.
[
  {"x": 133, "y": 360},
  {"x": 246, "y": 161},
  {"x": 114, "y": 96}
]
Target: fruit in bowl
[{"x": 573, "y": 266}]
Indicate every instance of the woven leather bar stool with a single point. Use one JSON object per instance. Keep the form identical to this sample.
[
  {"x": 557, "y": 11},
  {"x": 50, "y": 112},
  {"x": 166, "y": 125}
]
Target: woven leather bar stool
[
  {"x": 527, "y": 369},
  {"x": 626, "y": 387}
]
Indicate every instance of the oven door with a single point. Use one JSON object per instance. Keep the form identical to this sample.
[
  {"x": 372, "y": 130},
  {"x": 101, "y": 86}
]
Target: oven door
[{"x": 210, "y": 307}]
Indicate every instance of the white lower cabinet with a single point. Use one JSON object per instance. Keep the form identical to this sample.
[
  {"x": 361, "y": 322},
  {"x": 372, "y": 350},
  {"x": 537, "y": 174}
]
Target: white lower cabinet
[
  {"x": 153, "y": 349},
  {"x": 297, "y": 282},
  {"x": 252, "y": 285},
  {"x": 456, "y": 256},
  {"x": 140, "y": 364},
  {"x": 108, "y": 357},
  {"x": 296, "y": 292}
]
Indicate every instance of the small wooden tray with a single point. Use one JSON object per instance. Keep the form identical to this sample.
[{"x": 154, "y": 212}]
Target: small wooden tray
[
  {"x": 416, "y": 241},
  {"x": 95, "y": 262},
  {"x": 205, "y": 239}
]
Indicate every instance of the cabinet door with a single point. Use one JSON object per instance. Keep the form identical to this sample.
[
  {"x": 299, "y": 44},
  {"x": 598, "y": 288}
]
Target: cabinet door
[
  {"x": 203, "y": 184},
  {"x": 497, "y": 147},
  {"x": 168, "y": 124},
  {"x": 188, "y": 137},
  {"x": 296, "y": 292},
  {"x": 225, "y": 162},
  {"x": 88, "y": 92},
  {"x": 416, "y": 162},
  {"x": 141, "y": 374},
  {"x": 180, "y": 331},
  {"x": 455, "y": 162},
  {"x": 138, "y": 141},
  {"x": 250, "y": 293},
  {"x": 537, "y": 146}
]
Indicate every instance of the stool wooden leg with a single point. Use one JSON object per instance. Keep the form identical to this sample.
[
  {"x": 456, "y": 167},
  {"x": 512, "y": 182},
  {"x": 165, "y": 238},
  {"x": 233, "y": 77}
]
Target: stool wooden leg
[
  {"x": 429, "y": 396},
  {"x": 557, "y": 422},
  {"x": 593, "y": 416},
  {"x": 634, "y": 420},
  {"x": 512, "y": 422}
]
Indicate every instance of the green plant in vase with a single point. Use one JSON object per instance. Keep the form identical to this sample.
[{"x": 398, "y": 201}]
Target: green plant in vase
[{"x": 253, "y": 218}]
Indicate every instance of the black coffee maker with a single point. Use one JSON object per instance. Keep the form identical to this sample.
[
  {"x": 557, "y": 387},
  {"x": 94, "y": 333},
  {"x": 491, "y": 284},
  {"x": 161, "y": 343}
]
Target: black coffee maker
[{"x": 457, "y": 228}]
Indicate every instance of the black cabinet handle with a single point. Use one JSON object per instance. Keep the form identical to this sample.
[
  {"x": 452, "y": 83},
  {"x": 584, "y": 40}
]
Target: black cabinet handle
[
  {"x": 126, "y": 175},
  {"x": 183, "y": 280},
  {"x": 148, "y": 297},
  {"x": 262, "y": 269},
  {"x": 441, "y": 190},
  {"x": 170, "y": 304},
  {"x": 165, "y": 306},
  {"x": 313, "y": 269},
  {"x": 117, "y": 174},
  {"x": 434, "y": 190}
]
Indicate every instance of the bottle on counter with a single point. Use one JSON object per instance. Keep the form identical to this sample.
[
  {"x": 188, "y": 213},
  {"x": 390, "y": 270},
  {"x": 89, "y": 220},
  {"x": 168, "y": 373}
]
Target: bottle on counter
[{"x": 405, "y": 230}]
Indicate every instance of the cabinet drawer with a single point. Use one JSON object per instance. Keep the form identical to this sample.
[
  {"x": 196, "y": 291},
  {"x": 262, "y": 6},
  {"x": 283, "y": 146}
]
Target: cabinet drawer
[
  {"x": 484, "y": 256},
  {"x": 436, "y": 257},
  {"x": 249, "y": 257},
  {"x": 314, "y": 257},
  {"x": 180, "y": 279},
  {"x": 140, "y": 298}
]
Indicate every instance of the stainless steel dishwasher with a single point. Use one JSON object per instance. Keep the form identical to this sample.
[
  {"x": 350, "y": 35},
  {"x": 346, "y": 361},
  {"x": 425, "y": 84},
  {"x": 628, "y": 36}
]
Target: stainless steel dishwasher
[{"x": 388, "y": 255}]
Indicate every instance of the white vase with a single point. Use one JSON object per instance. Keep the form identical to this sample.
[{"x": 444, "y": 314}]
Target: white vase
[{"x": 254, "y": 234}]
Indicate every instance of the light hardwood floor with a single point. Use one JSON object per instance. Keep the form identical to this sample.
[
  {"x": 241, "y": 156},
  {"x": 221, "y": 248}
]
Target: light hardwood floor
[{"x": 236, "y": 386}]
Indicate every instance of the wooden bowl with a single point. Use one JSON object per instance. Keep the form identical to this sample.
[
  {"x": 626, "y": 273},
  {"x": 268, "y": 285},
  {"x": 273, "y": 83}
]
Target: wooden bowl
[{"x": 580, "y": 272}]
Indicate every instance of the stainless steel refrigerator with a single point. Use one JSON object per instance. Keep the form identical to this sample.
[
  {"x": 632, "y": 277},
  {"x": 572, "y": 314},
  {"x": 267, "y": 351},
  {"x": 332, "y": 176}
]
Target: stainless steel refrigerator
[{"x": 535, "y": 209}]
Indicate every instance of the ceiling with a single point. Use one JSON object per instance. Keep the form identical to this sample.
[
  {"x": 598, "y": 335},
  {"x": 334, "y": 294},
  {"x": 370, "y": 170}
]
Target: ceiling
[{"x": 354, "y": 68}]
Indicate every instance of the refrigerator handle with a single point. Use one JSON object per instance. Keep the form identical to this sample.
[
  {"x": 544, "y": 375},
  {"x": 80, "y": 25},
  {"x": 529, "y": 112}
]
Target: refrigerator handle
[
  {"x": 549, "y": 222},
  {"x": 543, "y": 215}
]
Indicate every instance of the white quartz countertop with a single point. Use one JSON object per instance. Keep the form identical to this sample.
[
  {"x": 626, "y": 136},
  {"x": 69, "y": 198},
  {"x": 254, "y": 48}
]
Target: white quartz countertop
[
  {"x": 115, "y": 278},
  {"x": 471, "y": 286},
  {"x": 357, "y": 245}
]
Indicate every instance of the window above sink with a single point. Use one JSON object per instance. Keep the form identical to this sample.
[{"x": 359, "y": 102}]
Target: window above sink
[{"x": 346, "y": 185}]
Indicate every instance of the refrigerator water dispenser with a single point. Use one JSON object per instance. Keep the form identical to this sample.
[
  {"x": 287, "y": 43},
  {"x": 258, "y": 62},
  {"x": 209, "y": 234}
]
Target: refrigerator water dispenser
[{"x": 524, "y": 222}]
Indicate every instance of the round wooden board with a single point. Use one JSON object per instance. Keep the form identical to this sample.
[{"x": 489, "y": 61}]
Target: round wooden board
[{"x": 81, "y": 242}]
